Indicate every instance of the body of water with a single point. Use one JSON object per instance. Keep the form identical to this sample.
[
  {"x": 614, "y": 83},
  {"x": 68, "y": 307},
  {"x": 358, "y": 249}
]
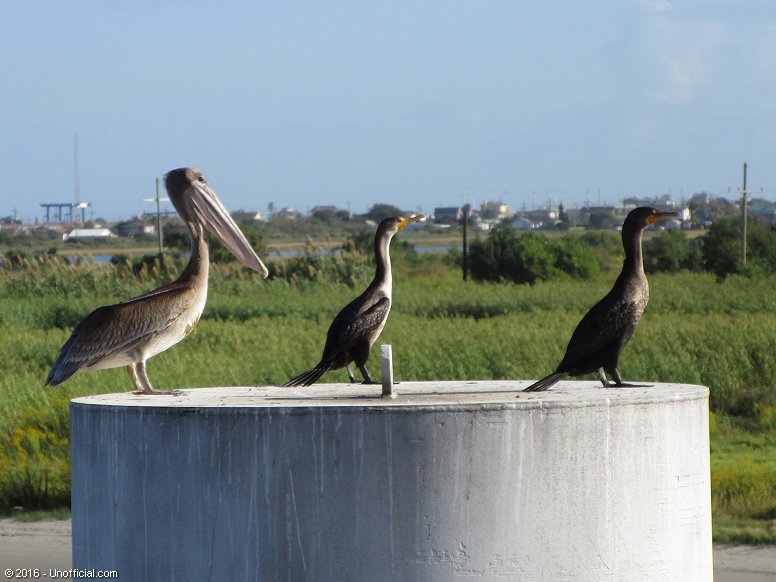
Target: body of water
[{"x": 273, "y": 252}]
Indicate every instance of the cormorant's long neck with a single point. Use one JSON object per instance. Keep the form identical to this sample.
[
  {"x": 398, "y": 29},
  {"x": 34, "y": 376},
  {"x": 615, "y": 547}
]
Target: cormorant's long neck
[
  {"x": 197, "y": 268},
  {"x": 383, "y": 258},
  {"x": 634, "y": 262}
]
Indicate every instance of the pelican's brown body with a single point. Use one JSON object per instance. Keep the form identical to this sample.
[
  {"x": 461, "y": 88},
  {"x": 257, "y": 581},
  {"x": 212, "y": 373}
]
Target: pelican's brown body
[{"x": 128, "y": 333}]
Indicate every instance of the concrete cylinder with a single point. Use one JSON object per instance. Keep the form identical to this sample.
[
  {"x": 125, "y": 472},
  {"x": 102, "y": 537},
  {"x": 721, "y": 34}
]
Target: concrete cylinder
[{"x": 447, "y": 479}]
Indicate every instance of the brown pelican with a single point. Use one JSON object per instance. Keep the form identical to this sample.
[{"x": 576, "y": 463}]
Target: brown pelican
[
  {"x": 602, "y": 334},
  {"x": 356, "y": 328},
  {"x": 128, "y": 333}
]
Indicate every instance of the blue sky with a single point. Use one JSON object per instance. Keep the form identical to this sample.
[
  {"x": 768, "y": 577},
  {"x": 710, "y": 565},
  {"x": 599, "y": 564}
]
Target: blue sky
[{"x": 414, "y": 104}]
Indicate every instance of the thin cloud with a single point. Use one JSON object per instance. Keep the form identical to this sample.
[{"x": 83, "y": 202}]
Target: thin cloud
[
  {"x": 655, "y": 5},
  {"x": 685, "y": 54}
]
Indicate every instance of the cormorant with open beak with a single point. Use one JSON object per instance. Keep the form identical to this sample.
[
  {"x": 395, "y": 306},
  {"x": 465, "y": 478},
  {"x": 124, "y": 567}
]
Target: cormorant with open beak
[
  {"x": 128, "y": 333},
  {"x": 356, "y": 328},
  {"x": 600, "y": 337}
]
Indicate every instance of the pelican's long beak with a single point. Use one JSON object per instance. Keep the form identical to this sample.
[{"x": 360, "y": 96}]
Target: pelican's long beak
[
  {"x": 216, "y": 219},
  {"x": 406, "y": 221},
  {"x": 658, "y": 216}
]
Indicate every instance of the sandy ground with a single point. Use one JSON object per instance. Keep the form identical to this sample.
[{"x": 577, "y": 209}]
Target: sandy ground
[
  {"x": 46, "y": 545},
  {"x": 40, "y": 544}
]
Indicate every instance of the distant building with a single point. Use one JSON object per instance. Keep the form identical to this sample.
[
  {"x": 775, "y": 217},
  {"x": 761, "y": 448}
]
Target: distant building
[
  {"x": 448, "y": 215},
  {"x": 707, "y": 208},
  {"x": 88, "y": 233},
  {"x": 247, "y": 216},
  {"x": 495, "y": 209},
  {"x": 522, "y": 223},
  {"x": 542, "y": 218},
  {"x": 664, "y": 202},
  {"x": 325, "y": 208},
  {"x": 671, "y": 224},
  {"x": 601, "y": 217},
  {"x": 701, "y": 198},
  {"x": 12, "y": 227},
  {"x": 287, "y": 213},
  {"x": 667, "y": 204},
  {"x": 135, "y": 227}
]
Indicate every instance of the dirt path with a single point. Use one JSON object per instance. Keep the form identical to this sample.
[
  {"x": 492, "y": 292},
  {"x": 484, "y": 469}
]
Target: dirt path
[
  {"x": 40, "y": 544},
  {"x": 46, "y": 544}
]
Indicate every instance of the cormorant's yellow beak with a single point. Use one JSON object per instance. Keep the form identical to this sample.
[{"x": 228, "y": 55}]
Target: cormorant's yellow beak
[
  {"x": 658, "y": 216},
  {"x": 405, "y": 221}
]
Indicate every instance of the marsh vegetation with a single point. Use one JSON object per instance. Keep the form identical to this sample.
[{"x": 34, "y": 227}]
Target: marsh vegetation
[{"x": 698, "y": 329}]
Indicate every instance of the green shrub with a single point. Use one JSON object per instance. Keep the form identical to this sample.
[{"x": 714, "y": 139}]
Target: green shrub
[
  {"x": 35, "y": 462},
  {"x": 603, "y": 239},
  {"x": 722, "y": 247},
  {"x": 573, "y": 258},
  {"x": 672, "y": 251},
  {"x": 530, "y": 257},
  {"x": 343, "y": 268}
]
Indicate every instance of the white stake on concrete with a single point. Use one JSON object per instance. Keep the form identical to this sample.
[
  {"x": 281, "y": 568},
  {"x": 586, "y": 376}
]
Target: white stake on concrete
[{"x": 386, "y": 369}]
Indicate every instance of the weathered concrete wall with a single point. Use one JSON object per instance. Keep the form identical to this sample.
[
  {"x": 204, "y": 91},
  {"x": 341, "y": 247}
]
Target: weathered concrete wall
[{"x": 331, "y": 483}]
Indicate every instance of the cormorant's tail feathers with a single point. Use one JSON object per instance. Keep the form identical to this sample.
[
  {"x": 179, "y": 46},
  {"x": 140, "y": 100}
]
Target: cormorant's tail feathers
[
  {"x": 309, "y": 377},
  {"x": 546, "y": 382}
]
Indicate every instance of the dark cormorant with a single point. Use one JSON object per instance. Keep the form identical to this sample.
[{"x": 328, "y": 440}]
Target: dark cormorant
[
  {"x": 128, "y": 333},
  {"x": 356, "y": 328},
  {"x": 602, "y": 334}
]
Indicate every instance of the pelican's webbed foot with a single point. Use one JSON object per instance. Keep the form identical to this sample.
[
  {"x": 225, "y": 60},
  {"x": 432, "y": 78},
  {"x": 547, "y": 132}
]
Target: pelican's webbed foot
[{"x": 137, "y": 372}]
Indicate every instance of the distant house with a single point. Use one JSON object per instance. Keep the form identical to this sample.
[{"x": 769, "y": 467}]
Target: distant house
[
  {"x": 542, "y": 218},
  {"x": 664, "y": 202},
  {"x": 287, "y": 213},
  {"x": 324, "y": 208},
  {"x": 448, "y": 215},
  {"x": 247, "y": 216},
  {"x": 495, "y": 209},
  {"x": 135, "y": 227},
  {"x": 523, "y": 224},
  {"x": 601, "y": 217},
  {"x": 84, "y": 233}
]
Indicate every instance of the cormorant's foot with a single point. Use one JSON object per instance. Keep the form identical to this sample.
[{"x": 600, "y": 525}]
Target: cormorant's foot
[
  {"x": 371, "y": 382},
  {"x": 628, "y": 385}
]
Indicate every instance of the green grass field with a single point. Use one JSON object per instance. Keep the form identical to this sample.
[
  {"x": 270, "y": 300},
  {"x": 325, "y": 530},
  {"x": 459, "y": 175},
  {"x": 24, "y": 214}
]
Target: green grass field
[{"x": 696, "y": 330}]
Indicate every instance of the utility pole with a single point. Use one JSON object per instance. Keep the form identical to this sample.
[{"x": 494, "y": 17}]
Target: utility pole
[
  {"x": 466, "y": 208},
  {"x": 744, "y": 202},
  {"x": 158, "y": 201},
  {"x": 159, "y": 220},
  {"x": 76, "y": 175},
  {"x": 743, "y": 218}
]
